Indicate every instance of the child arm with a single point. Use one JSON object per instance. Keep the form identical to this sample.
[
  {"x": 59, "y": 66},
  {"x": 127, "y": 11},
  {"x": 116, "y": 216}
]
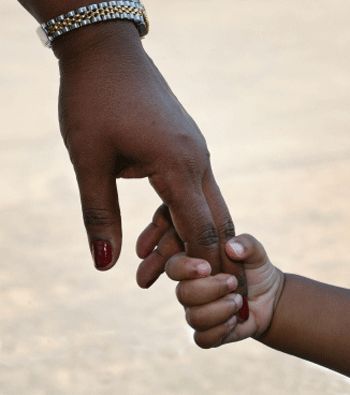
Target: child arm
[
  {"x": 312, "y": 321},
  {"x": 289, "y": 313}
]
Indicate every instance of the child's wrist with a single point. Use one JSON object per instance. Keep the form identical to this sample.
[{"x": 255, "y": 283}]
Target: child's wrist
[
  {"x": 280, "y": 287},
  {"x": 276, "y": 293}
]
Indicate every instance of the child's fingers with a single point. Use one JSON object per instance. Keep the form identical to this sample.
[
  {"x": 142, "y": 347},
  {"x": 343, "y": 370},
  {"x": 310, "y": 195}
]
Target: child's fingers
[
  {"x": 205, "y": 290},
  {"x": 153, "y": 265},
  {"x": 242, "y": 331},
  {"x": 202, "y": 318},
  {"x": 214, "y": 337},
  {"x": 246, "y": 248},
  {"x": 153, "y": 233},
  {"x": 181, "y": 267}
]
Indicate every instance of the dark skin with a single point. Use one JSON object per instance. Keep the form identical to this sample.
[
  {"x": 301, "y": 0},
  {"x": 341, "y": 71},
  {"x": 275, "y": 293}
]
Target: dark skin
[
  {"x": 289, "y": 313},
  {"x": 119, "y": 118}
]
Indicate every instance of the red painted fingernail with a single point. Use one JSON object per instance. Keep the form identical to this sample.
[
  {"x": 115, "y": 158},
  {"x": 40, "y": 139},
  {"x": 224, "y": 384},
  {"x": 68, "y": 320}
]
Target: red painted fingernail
[
  {"x": 244, "y": 311},
  {"x": 102, "y": 253}
]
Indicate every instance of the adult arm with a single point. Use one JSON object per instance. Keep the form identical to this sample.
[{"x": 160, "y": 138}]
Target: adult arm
[{"x": 119, "y": 118}]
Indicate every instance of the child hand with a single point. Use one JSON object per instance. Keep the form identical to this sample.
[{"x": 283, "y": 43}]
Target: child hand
[{"x": 210, "y": 302}]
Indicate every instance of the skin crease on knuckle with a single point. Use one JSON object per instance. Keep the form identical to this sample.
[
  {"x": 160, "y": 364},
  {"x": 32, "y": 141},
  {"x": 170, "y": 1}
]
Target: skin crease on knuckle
[
  {"x": 98, "y": 217},
  {"x": 227, "y": 229},
  {"x": 208, "y": 236}
]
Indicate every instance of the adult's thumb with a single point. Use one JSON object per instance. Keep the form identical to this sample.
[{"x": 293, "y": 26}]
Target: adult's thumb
[{"x": 101, "y": 213}]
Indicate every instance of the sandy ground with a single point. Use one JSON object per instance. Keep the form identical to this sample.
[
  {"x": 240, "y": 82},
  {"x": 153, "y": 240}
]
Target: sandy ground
[{"x": 268, "y": 82}]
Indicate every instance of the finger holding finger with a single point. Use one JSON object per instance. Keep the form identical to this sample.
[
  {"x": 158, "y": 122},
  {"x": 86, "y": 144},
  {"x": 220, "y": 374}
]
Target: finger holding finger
[
  {"x": 205, "y": 290},
  {"x": 225, "y": 226},
  {"x": 202, "y": 318},
  {"x": 226, "y": 230},
  {"x": 190, "y": 214}
]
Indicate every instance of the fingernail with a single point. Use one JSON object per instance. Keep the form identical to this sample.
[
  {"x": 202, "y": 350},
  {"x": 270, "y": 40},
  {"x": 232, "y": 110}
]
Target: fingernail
[
  {"x": 237, "y": 247},
  {"x": 231, "y": 283},
  {"x": 232, "y": 322},
  {"x": 237, "y": 298},
  {"x": 102, "y": 253},
  {"x": 203, "y": 269},
  {"x": 244, "y": 311}
]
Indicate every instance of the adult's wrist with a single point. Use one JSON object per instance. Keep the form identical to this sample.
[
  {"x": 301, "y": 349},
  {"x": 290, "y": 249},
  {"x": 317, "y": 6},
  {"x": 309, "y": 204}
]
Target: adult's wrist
[{"x": 115, "y": 37}]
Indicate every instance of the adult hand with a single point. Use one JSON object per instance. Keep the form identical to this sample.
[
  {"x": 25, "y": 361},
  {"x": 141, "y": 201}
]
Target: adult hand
[
  {"x": 119, "y": 118},
  {"x": 212, "y": 302}
]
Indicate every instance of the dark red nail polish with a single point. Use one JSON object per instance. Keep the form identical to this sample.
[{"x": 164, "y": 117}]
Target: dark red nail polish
[
  {"x": 102, "y": 253},
  {"x": 244, "y": 311}
]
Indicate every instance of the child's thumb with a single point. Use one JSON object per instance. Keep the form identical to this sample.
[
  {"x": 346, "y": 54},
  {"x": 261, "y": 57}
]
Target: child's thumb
[{"x": 246, "y": 248}]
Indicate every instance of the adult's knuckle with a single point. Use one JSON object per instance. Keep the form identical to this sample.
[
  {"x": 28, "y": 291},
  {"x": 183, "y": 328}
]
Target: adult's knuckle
[
  {"x": 187, "y": 138},
  {"x": 191, "y": 166},
  {"x": 98, "y": 217},
  {"x": 162, "y": 186},
  {"x": 86, "y": 152},
  {"x": 191, "y": 147},
  {"x": 208, "y": 236},
  {"x": 226, "y": 229}
]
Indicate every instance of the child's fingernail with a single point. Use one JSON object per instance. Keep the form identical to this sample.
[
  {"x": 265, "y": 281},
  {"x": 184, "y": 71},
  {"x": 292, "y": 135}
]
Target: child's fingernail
[
  {"x": 102, "y": 253},
  {"x": 232, "y": 322},
  {"x": 244, "y": 311},
  {"x": 237, "y": 247},
  {"x": 203, "y": 269},
  {"x": 231, "y": 283},
  {"x": 237, "y": 298}
]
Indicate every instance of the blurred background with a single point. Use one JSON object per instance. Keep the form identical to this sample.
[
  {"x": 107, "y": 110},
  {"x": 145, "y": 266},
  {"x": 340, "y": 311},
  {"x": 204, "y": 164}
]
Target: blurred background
[{"x": 269, "y": 84}]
